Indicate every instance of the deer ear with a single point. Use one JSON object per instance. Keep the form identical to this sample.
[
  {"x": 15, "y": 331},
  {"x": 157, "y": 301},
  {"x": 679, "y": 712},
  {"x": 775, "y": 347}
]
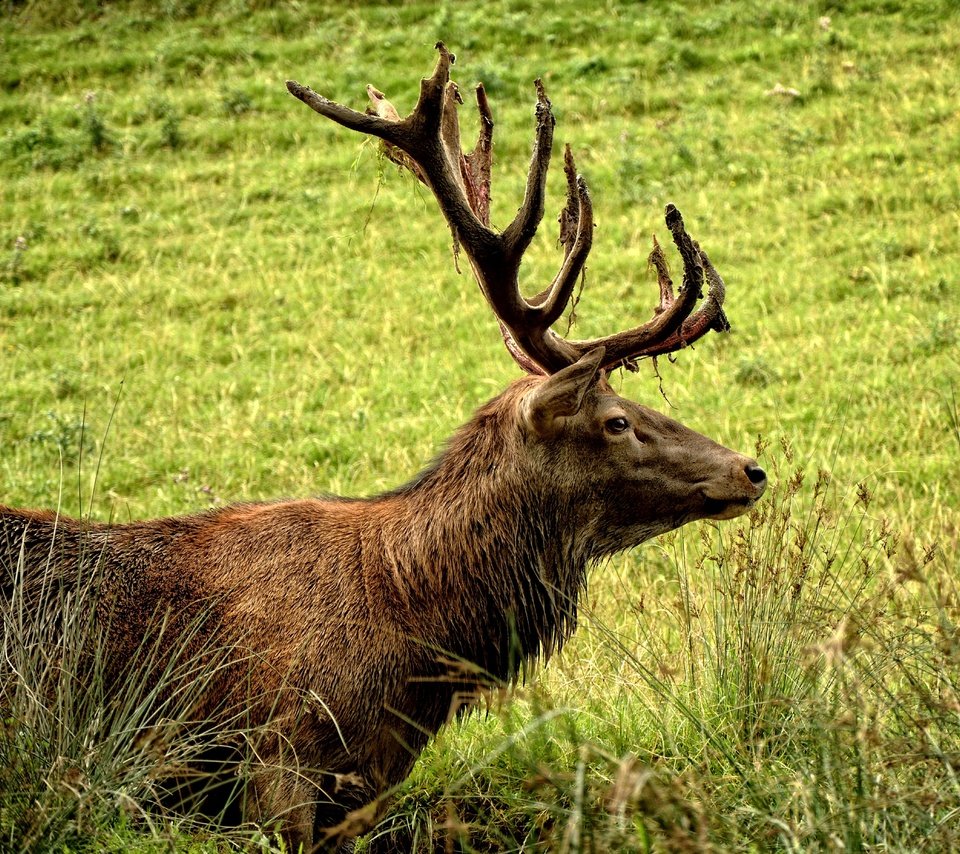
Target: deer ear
[{"x": 561, "y": 395}]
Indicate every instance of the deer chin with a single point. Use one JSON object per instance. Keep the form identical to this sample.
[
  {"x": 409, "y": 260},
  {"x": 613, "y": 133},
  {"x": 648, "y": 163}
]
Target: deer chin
[{"x": 726, "y": 508}]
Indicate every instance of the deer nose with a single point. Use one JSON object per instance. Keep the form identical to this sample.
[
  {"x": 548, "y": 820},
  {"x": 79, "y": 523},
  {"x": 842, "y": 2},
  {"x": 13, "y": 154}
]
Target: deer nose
[{"x": 756, "y": 475}]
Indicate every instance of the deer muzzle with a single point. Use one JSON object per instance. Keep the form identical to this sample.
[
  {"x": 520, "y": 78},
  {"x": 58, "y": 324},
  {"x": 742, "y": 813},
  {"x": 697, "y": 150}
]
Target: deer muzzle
[{"x": 732, "y": 496}]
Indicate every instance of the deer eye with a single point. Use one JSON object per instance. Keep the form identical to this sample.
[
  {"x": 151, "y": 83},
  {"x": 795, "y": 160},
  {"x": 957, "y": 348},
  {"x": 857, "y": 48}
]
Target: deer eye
[{"x": 617, "y": 425}]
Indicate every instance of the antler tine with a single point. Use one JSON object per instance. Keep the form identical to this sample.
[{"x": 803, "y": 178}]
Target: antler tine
[
  {"x": 576, "y": 236},
  {"x": 362, "y": 122},
  {"x": 674, "y": 325},
  {"x": 479, "y": 162},
  {"x": 520, "y": 232},
  {"x": 417, "y": 136}
]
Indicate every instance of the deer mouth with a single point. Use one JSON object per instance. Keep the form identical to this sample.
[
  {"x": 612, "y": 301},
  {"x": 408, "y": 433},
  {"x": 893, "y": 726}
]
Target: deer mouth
[
  {"x": 735, "y": 498},
  {"x": 726, "y": 508}
]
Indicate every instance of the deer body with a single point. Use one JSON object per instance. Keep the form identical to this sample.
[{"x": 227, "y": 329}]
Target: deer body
[
  {"x": 354, "y": 628},
  {"x": 361, "y": 626}
]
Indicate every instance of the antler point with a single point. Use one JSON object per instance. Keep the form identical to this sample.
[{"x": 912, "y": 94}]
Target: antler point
[
  {"x": 672, "y": 216},
  {"x": 440, "y": 46}
]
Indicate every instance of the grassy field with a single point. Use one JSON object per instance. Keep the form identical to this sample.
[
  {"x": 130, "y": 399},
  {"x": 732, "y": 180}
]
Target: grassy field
[{"x": 210, "y": 294}]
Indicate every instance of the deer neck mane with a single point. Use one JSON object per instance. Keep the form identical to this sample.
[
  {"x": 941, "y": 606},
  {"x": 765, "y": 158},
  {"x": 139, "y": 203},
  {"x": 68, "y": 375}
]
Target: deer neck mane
[{"x": 486, "y": 550}]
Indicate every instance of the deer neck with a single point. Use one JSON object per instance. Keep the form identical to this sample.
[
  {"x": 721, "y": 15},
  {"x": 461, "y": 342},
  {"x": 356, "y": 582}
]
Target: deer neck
[{"x": 491, "y": 561}]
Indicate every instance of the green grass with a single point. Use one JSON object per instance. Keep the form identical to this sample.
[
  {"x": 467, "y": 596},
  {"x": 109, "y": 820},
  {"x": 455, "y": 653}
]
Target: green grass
[{"x": 271, "y": 310}]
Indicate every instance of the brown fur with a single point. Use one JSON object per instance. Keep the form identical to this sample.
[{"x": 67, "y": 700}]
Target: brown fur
[{"x": 395, "y": 610}]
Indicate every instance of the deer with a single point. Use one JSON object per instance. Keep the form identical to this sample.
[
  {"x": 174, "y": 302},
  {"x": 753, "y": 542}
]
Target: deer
[{"x": 357, "y": 627}]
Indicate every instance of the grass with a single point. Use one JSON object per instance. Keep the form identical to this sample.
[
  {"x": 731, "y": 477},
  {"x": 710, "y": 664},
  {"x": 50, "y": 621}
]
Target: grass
[{"x": 273, "y": 311}]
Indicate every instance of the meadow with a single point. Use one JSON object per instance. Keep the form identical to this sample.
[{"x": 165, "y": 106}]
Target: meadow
[{"x": 210, "y": 294}]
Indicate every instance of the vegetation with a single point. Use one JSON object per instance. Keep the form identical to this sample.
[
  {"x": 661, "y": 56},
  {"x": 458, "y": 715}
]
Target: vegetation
[{"x": 208, "y": 294}]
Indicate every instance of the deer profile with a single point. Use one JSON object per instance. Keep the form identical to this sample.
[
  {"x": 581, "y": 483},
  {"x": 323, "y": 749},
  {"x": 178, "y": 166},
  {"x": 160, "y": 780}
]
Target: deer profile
[{"x": 361, "y": 625}]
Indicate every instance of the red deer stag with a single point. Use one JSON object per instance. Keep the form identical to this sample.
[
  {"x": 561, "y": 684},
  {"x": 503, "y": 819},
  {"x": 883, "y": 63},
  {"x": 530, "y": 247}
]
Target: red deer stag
[{"x": 360, "y": 625}]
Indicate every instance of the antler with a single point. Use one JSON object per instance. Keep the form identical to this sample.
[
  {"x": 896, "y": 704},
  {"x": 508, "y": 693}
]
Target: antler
[{"x": 427, "y": 142}]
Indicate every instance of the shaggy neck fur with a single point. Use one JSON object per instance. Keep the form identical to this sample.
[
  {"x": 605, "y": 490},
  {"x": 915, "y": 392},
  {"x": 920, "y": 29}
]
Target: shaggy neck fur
[{"x": 494, "y": 563}]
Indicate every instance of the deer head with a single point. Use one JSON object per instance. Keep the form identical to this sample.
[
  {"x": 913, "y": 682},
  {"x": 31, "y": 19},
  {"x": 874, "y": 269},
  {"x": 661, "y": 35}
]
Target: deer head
[
  {"x": 644, "y": 472},
  {"x": 631, "y": 472}
]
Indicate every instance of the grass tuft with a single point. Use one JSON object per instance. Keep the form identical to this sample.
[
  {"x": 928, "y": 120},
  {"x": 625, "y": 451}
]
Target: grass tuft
[{"x": 96, "y": 756}]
